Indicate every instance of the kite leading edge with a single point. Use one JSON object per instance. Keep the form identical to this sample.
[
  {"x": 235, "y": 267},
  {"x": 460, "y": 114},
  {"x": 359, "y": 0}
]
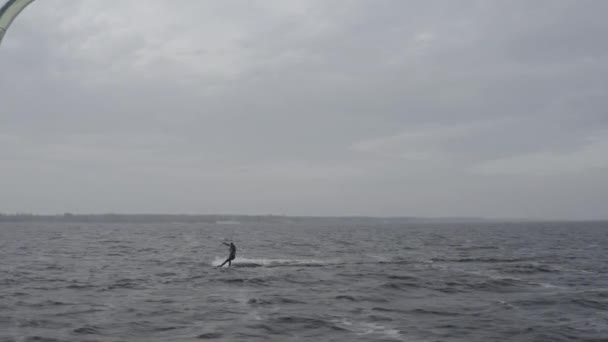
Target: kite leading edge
[{"x": 9, "y": 12}]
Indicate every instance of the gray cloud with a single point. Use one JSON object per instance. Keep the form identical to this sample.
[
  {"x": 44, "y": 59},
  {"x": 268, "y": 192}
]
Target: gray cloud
[{"x": 306, "y": 107}]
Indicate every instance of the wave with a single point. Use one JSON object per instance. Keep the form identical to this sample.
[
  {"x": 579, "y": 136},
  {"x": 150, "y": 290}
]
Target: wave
[
  {"x": 528, "y": 269},
  {"x": 474, "y": 248},
  {"x": 481, "y": 260},
  {"x": 37, "y": 338},
  {"x": 270, "y": 262},
  {"x": 260, "y": 281},
  {"x": 596, "y": 303},
  {"x": 87, "y": 330},
  {"x": 304, "y": 322},
  {"x": 45, "y": 303},
  {"x": 434, "y": 312},
  {"x": 42, "y": 324},
  {"x": 369, "y": 328},
  {"x": 391, "y": 285},
  {"x": 492, "y": 285},
  {"x": 273, "y": 301},
  {"x": 246, "y": 262},
  {"x": 266, "y": 329},
  {"x": 209, "y": 335},
  {"x": 550, "y": 286},
  {"x": 584, "y": 298}
]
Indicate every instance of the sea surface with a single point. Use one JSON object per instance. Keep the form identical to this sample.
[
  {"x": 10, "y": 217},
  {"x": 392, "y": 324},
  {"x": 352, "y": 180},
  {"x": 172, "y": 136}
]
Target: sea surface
[{"x": 304, "y": 282}]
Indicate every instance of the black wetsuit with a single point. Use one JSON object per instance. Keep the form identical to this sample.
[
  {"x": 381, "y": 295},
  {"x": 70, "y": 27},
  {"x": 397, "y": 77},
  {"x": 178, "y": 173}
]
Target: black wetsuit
[{"x": 231, "y": 256}]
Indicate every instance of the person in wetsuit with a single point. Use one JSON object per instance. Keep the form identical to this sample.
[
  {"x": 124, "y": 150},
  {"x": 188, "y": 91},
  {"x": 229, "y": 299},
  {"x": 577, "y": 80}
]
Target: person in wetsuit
[{"x": 231, "y": 256}]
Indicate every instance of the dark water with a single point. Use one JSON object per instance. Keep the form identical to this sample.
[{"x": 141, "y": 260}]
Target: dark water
[{"x": 153, "y": 282}]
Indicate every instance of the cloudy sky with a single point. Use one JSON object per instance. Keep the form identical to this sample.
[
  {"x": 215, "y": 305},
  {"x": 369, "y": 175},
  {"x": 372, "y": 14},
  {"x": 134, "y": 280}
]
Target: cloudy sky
[{"x": 425, "y": 108}]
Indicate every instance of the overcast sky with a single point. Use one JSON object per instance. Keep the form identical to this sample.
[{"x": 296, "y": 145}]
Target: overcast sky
[{"x": 423, "y": 108}]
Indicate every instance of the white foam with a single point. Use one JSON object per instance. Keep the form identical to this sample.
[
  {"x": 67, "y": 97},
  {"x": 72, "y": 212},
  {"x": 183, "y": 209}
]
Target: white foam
[
  {"x": 263, "y": 262},
  {"x": 379, "y": 258},
  {"x": 367, "y": 328},
  {"x": 550, "y": 286},
  {"x": 494, "y": 275}
]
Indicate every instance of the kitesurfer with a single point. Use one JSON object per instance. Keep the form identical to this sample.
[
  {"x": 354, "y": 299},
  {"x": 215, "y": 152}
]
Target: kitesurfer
[{"x": 231, "y": 256}]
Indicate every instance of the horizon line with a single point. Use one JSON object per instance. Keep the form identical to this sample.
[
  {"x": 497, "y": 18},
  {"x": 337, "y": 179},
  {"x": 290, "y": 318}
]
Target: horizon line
[{"x": 342, "y": 216}]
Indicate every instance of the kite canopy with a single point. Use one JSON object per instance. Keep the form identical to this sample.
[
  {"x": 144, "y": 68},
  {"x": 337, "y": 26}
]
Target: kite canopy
[{"x": 9, "y": 12}]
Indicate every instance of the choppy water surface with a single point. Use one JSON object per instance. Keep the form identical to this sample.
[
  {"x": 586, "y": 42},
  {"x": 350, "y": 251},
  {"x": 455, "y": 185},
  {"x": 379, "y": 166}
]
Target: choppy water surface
[{"x": 303, "y": 282}]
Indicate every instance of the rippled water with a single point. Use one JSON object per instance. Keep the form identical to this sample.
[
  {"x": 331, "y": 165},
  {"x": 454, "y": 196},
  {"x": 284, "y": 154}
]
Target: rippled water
[{"x": 304, "y": 282}]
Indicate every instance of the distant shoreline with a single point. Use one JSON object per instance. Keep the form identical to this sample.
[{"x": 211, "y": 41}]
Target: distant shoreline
[{"x": 245, "y": 219}]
